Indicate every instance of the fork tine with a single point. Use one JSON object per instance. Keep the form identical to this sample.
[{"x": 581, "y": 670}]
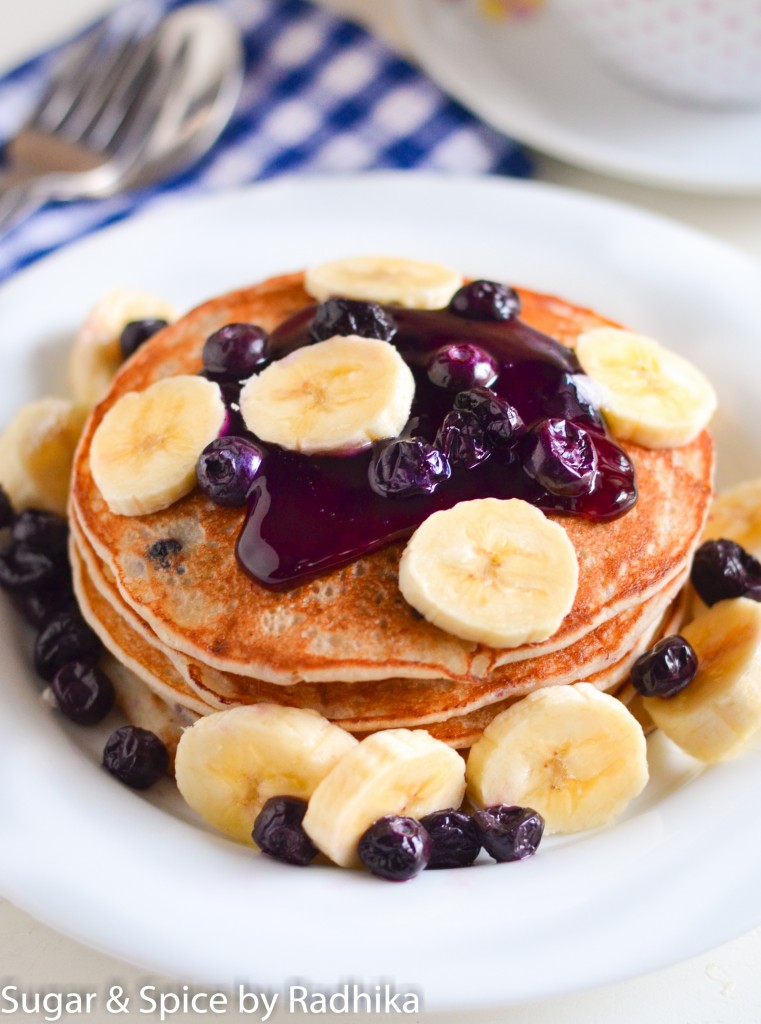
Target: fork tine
[
  {"x": 97, "y": 87},
  {"x": 123, "y": 90},
  {"x": 129, "y": 139},
  {"x": 65, "y": 81}
]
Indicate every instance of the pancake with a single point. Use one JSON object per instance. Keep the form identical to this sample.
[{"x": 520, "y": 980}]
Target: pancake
[
  {"x": 604, "y": 653},
  {"x": 352, "y": 625}
]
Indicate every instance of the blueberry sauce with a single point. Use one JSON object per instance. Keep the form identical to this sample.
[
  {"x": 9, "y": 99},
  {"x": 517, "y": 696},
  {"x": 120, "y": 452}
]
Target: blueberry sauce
[{"x": 310, "y": 514}]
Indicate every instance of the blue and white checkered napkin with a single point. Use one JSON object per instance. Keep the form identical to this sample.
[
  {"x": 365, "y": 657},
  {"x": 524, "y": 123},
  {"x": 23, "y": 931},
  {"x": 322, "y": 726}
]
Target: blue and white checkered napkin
[{"x": 320, "y": 95}]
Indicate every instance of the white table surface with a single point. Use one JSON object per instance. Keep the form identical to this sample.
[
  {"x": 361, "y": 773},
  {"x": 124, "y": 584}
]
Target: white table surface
[{"x": 722, "y": 987}]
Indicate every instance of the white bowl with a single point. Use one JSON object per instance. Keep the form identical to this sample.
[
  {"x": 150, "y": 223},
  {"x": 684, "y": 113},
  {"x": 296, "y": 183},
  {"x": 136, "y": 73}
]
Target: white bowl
[{"x": 696, "y": 51}]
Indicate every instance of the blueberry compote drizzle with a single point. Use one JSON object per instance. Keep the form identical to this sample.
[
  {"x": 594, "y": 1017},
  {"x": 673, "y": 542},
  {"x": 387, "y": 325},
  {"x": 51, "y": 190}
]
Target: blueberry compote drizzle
[{"x": 310, "y": 514}]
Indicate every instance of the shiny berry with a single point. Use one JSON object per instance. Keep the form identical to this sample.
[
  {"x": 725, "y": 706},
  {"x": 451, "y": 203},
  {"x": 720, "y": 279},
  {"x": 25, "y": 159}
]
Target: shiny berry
[
  {"x": 279, "y": 833},
  {"x": 226, "y": 470},
  {"x": 349, "y": 316},
  {"x": 485, "y": 300},
  {"x": 7, "y": 515},
  {"x": 83, "y": 692},
  {"x": 65, "y": 637},
  {"x": 509, "y": 833},
  {"x": 135, "y": 756},
  {"x": 462, "y": 439},
  {"x": 37, "y": 606},
  {"x": 23, "y": 570},
  {"x": 137, "y": 332},
  {"x": 461, "y": 366},
  {"x": 665, "y": 669},
  {"x": 500, "y": 421},
  {"x": 722, "y": 569},
  {"x": 407, "y": 467},
  {"x": 42, "y": 531},
  {"x": 561, "y": 457},
  {"x": 235, "y": 352},
  {"x": 455, "y": 840},
  {"x": 395, "y": 848}
]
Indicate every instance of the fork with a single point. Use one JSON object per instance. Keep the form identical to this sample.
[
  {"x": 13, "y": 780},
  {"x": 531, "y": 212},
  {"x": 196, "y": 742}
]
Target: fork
[{"x": 89, "y": 129}]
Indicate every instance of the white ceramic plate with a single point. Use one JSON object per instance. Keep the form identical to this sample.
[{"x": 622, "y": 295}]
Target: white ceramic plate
[
  {"x": 534, "y": 79},
  {"x": 136, "y": 876}
]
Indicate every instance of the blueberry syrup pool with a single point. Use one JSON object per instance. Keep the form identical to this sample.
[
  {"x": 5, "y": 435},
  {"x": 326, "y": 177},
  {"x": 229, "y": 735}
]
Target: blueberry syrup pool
[{"x": 310, "y": 514}]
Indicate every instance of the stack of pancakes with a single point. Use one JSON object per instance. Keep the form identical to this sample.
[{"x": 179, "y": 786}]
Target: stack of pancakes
[{"x": 167, "y": 596}]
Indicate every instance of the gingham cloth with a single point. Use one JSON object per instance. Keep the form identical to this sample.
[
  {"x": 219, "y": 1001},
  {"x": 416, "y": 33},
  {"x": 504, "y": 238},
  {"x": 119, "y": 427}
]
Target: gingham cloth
[{"x": 320, "y": 95}]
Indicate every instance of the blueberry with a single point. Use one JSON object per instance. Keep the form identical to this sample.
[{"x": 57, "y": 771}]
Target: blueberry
[
  {"x": 135, "y": 756},
  {"x": 279, "y": 833},
  {"x": 500, "y": 421},
  {"x": 7, "y": 515},
  {"x": 23, "y": 570},
  {"x": 485, "y": 300},
  {"x": 455, "y": 840},
  {"x": 665, "y": 669},
  {"x": 395, "y": 848},
  {"x": 42, "y": 531},
  {"x": 348, "y": 316},
  {"x": 137, "y": 332},
  {"x": 164, "y": 553},
  {"x": 83, "y": 692},
  {"x": 407, "y": 467},
  {"x": 65, "y": 637},
  {"x": 461, "y": 366},
  {"x": 561, "y": 457},
  {"x": 235, "y": 352},
  {"x": 509, "y": 833},
  {"x": 722, "y": 569},
  {"x": 37, "y": 606},
  {"x": 226, "y": 470},
  {"x": 462, "y": 439}
]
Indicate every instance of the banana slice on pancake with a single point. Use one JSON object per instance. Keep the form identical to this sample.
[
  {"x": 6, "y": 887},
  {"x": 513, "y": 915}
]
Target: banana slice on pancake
[
  {"x": 36, "y": 452},
  {"x": 144, "y": 451},
  {"x": 96, "y": 354},
  {"x": 398, "y": 771},
  {"x": 338, "y": 395},
  {"x": 230, "y": 763},
  {"x": 573, "y": 753},
  {"x": 719, "y": 712},
  {"x": 649, "y": 395},
  {"x": 736, "y": 515},
  {"x": 497, "y": 572},
  {"x": 389, "y": 280}
]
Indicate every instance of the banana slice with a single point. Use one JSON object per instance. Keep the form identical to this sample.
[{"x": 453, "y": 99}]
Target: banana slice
[
  {"x": 650, "y": 395},
  {"x": 96, "y": 354},
  {"x": 496, "y": 572},
  {"x": 230, "y": 763},
  {"x": 714, "y": 717},
  {"x": 397, "y": 771},
  {"x": 572, "y": 753},
  {"x": 144, "y": 451},
  {"x": 736, "y": 515},
  {"x": 384, "y": 279},
  {"x": 36, "y": 450},
  {"x": 338, "y": 395}
]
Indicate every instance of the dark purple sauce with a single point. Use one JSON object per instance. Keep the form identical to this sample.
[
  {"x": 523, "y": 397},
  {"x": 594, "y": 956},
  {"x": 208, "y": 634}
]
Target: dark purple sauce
[{"x": 309, "y": 514}]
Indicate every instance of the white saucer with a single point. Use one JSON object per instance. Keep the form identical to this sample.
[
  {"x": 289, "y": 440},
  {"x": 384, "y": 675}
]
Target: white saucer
[{"x": 535, "y": 80}]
